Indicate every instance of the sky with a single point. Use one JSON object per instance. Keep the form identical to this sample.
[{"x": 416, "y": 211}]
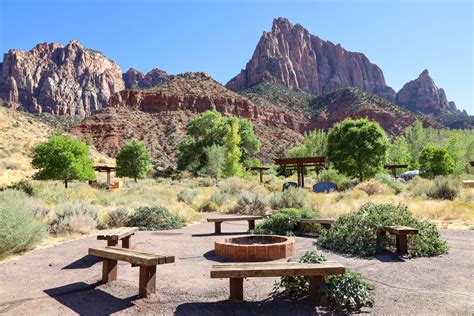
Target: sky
[{"x": 402, "y": 37}]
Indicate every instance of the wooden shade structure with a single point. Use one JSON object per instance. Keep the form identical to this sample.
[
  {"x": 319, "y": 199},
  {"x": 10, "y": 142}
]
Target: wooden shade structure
[
  {"x": 299, "y": 164},
  {"x": 260, "y": 169},
  {"x": 107, "y": 169},
  {"x": 394, "y": 168},
  {"x": 472, "y": 163}
]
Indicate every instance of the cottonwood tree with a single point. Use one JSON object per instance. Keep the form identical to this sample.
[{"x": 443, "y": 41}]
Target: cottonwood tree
[
  {"x": 133, "y": 161},
  {"x": 232, "y": 165},
  {"x": 435, "y": 161},
  {"x": 215, "y": 161}
]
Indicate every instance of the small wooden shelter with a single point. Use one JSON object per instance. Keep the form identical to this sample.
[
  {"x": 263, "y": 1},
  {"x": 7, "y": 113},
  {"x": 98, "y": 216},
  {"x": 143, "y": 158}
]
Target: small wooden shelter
[
  {"x": 299, "y": 164},
  {"x": 394, "y": 168},
  {"x": 260, "y": 169},
  {"x": 107, "y": 169}
]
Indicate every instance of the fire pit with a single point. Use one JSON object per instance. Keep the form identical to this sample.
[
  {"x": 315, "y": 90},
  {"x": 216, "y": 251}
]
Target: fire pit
[{"x": 255, "y": 248}]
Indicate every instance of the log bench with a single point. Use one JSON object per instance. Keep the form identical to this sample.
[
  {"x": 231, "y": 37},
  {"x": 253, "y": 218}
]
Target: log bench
[
  {"x": 146, "y": 261},
  {"x": 401, "y": 233},
  {"x": 325, "y": 222},
  {"x": 114, "y": 235},
  {"x": 218, "y": 221},
  {"x": 236, "y": 272}
]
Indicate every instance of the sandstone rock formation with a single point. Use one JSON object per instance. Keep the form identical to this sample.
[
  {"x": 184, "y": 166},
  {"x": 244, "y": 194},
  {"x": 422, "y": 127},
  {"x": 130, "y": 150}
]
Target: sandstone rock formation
[
  {"x": 69, "y": 80},
  {"x": 423, "y": 96},
  {"x": 135, "y": 79},
  {"x": 290, "y": 55}
]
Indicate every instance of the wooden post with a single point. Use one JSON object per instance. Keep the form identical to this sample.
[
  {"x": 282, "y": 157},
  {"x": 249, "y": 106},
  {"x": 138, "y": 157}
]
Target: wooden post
[
  {"x": 112, "y": 242},
  {"x": 126, "y": 242},
  {"x": 261, "y": 175},
  {"x": 314, "y": 284},
  {"x": 236, "y": 289},
  {"x": 217, "y": 226},
  {"x": 402, "y": 244},
  {"x": 109, "y": 270},
  {"x": 147, "y": 282},
  {"x": 108, "y": 178},
  {"x": 251, "y": 224},
  {"x": 302, "y": 176}
]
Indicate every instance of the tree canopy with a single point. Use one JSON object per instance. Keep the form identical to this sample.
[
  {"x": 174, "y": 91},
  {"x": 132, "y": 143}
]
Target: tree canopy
[
  {"x": 314, "y": 144},
  {"x": 133, "y": 160},
  {"x": 436, "y": 161},
  {"x": 62, "y": 158},
  {"x": 232, "y": 165}
]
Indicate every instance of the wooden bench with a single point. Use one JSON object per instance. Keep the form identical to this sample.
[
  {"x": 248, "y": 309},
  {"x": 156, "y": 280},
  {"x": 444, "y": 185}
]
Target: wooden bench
[
  {"x": 146, "y": 261},
  {"x": 122, "y": 233},
  {"x": 401, "y": 233},
  {"x": 325, "y": 222},
  {"x": 236, "y": 272},
  {"x": 218, "y": 221},
  {"x": 468, "y": 184}
]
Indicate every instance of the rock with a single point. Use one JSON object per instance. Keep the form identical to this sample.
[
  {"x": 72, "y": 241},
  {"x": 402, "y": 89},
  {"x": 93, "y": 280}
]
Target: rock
[
  {"x": 135, "y": 79},
  {"x": 290, "y": 55},
  {"x": 70, "y": 80}
]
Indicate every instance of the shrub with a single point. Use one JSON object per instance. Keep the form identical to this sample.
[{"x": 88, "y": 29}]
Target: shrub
[
  {"x": 331, "y": 175},
  {"x": 284, "y": 222},
  {"x": 75, "y": 217},
  {"x": 419, "y": 187},
  {"x": 435, "y": 161},
  {"x": 444, "y": 188},
  {"x": 291, "y": 198},
  {"x": 251, "y": 203},
  {"x": 18, "y": 229},
  {"x": 187, "y": 196},
  {"x": 233, "y": 185},
  {"x": 154, "y": 218},
  {"x": 358, "y": 233},
  {"x": 208, "y": 207},
  {"x": 389, "y": 181},
  {"x": 372, "y": 187},
  {"x": 118, "y": 217},
  {"x": 24, "y": 186},
  {"x": 219, "y": 197}
]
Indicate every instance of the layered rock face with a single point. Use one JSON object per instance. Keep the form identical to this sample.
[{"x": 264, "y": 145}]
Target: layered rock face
[
  {"x": 135, "y": 79},
  {"x": 423, "y": 96},
  {"x": 290, "y": 55},
  {"x": 61, "y": 80}
]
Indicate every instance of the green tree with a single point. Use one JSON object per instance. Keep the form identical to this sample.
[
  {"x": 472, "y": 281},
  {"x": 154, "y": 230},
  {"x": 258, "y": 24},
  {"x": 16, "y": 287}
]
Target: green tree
[
  {"x": 232, "y": 165},
  {"x": 62, "y": 158},
  {"x": 435, "y": 161},
  {"x": 357, "y": 147},
  {"x": 398, "y": 152},
  {"x": 454, "y": 149},
  {"x": 133, "y": 160},
  {"x": 210, "y": 128},
  {"x": 314, "y": 144},
  {"x": 215, "y": 161}
]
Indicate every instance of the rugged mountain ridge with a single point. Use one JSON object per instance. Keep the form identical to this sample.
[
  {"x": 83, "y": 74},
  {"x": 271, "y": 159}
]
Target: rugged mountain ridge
[
  {"x": 135, "y": 79},
  {"x": 290, "y": 55},
  {"x": 61, "y": 80}
]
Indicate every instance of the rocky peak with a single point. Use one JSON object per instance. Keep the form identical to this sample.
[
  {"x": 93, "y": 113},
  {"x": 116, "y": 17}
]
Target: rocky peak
[
  {"x": 422, "y": 95},
  {"x": 291, "y": 56},
  {"x": 62, "y": 80},
  {"x": 135, "y": 79}
]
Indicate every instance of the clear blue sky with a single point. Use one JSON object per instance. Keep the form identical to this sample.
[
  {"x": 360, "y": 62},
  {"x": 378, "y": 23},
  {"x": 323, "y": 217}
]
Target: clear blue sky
[{"x": 403, "y": 37}]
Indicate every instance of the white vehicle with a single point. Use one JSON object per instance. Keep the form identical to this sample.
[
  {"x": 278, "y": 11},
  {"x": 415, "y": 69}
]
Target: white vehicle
[{"x": 408, "y": 175}]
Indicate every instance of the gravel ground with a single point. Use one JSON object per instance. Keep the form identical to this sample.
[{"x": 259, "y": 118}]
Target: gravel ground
[{"x": 63, "y": 280}]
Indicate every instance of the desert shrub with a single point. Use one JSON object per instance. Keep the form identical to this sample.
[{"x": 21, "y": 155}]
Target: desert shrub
[
  {"x": 372, "y": 187},
  {"x": 18, "y": 229},
  {"x": 118, "y": 217},
  {"x": 444, "y": 188},
  {"x": 208, "y": 207},
  {"x": 358, "y": 233},
  {"x": 24, "y": 186},
  {"x": 419, "y": 187},
  {"x": 389, "y": 181},
  {"x": 154, "y": 218},
  {"x": 219, "y": 197},
  {"x": 75, "y": 217},
  {"x": 291, "y": 198},
  {"x": 332, "y": 175},
  {"x": 347, "y": 292},
  {"x": 233, "y": 185},
  {"x": 284, "y": 222},
  {"x": 350, "y": 184},
  {"x": 250, "y": 203},
  {"x": 187, "y": 196}
]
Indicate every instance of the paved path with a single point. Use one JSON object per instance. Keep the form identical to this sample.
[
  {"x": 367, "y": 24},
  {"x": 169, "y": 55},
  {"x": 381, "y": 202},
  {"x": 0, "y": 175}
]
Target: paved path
[{"x": 61, "y": 280}]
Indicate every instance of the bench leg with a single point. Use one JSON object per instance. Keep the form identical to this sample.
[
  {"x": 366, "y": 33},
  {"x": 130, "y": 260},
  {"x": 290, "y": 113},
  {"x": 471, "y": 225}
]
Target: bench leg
[
  {"x": 109, "y": 270},
  {"x": 326, "y": 226},
  {"x": 251, "y": 224},
  {"x": 112, "y": 242},
  {"x": 147, "y": 281},
  {"x": 314, "y": 284},
  {"x": 217, "y": 226},
  {"x": 236, "y": 289},
  {"x": 402, "y": 244},
  {"x": 126, "y": 242}
]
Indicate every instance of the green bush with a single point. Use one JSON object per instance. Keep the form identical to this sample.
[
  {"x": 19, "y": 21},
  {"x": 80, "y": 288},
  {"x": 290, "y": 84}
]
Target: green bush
[
  {"x": 187, "y": 196},
  {"x": 75, "y": 217},
  {"x": 284, "y": 222},
  {"x": 291, "y": 198},
  {"x": 389, "y": 181},
  {"x": 154, "y": 218},
  {"x": 332, "y": 175},
  {"x": 24, "y": 186},
  {"x": 348, "y": 292},
  {"x": 358, "y": 233},
  {"x": 18, "y": 229},
  {"x": 208, "y": 207},
  {"x": 118, "y": 217},
  {"x": 445, "y": 188},
  {"x": 250, "y": 203}
]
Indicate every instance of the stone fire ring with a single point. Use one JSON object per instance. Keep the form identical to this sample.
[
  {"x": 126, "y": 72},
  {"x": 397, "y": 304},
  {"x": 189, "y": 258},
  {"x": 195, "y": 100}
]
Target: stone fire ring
[{"x": 255, "y": 248}]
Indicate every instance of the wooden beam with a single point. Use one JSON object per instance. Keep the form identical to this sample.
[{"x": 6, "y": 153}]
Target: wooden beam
[{"x": 134, "y": 257}]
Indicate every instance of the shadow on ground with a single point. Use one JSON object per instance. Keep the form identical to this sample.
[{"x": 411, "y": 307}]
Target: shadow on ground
[
  {"x": 220, "y": 234},
  {"x": 85, "y": 262},
  {"x": 86, "y": 299}
]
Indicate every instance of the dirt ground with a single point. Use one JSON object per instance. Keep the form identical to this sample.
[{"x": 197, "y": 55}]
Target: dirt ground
[{"x": 63, "y": 280}]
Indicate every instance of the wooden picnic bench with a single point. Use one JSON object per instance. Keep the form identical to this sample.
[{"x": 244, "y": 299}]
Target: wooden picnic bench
[
  {"x": 401, "y": 233},
  {"x": 325, "y": 222},
  {"x": 218, "y": 221},
  {"x": 146, "y": 261},
  {"x": 236, "y": 272},
  {"x": 114, "y": 235}
]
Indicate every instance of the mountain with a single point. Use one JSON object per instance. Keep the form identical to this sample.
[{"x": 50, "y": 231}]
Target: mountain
[
  {"x": 62, "y": 80},
  {"x": 135, "y": 79},
  {"x": 293, "y": 57}
]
